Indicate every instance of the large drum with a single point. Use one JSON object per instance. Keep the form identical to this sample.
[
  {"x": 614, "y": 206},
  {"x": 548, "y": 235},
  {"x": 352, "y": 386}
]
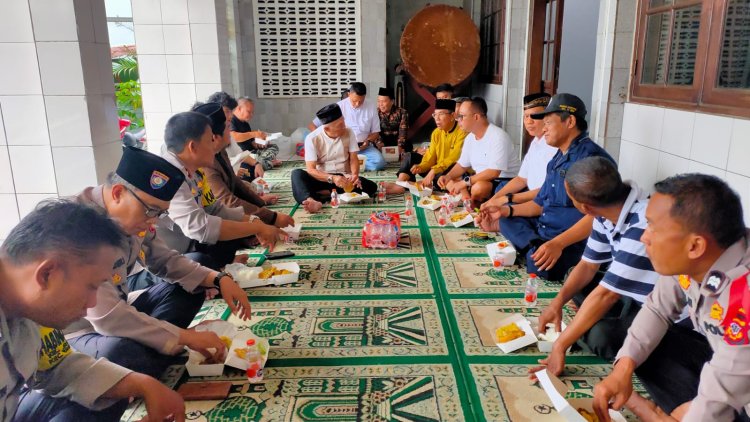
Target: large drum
[{"x": 440, "y": 44}]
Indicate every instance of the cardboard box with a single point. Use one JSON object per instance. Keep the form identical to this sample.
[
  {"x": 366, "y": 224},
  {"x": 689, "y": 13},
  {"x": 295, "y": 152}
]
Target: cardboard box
[
  {"x": 503, "y": 248},
  {"x": 293, "y": 231},
  {"x": 353, "y": 197},
  {"x": 414, "y": 189},
  {"x": 269, "y": 137},
  {"x": 247, "y": 277},
  {"x": 545, "y": 346},
  {"x": 193, "y": 364},
  {"x": 528, "y": 338},
  {"x": 568, "y": 409},
  {"x": 362, "y": 161},
  {"x": 428, "y": 203},
  {"x": 260, "y": 183},
  {"x": 391, "y": 154},
  {"x": 467, "y": 219},
  {"x": 239, "y": 342}
]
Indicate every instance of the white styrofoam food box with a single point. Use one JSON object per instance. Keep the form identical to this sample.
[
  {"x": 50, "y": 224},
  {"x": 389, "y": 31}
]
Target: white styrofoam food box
[
  {"x": 293, "y": 231},
  {"x": 545, "y": 346},
  {"x": 528, "y": 338},
  {"x": 239, "y": 342},
  {"x": 391, "y": 154},
  {"x": 428, "y": 203},
  {"x": 269, "y": 137},
  {"x": 556, "y": 390},
  {"x": 194, "y": 366},
  {"x": 469, "y": 218},
  {"x": 412, "y": 186},
  {"x": 247, "y": 277},
  {"x": 353, "y": 197},
  {"x": 505, "y": 249}
]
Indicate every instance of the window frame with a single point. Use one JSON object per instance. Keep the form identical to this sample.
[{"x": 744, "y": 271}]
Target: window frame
[
  {"x": 487, "y": 13},
  {"x": 702, "y": 95}
]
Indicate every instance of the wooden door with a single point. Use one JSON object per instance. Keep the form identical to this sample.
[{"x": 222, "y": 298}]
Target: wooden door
[{"x": 544, "y": 56}]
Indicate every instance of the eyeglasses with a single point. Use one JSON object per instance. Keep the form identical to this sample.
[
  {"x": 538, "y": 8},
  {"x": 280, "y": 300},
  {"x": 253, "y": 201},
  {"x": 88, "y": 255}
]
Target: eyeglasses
[
  {"x": 436, "y": 115},
  {"x": 150, "y": 211},
  {"x": 463, "y": 116}
]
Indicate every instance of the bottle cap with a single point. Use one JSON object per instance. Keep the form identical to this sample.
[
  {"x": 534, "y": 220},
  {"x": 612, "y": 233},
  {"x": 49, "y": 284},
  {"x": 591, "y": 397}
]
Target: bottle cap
[
  {"x": 251, "y": 342},
  {"x": 251, "y": 373},
  {"x": 532, "y": 275}
]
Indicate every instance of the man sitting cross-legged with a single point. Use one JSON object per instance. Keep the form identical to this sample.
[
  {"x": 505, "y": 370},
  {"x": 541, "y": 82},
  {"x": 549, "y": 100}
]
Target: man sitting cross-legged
[{"x": 331, "y": 162}]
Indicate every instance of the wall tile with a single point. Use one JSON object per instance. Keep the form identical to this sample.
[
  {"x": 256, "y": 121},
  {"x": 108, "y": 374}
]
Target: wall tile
[
  {"x": 9, "y": 211},
  {"x": 645, "y": 166},
  {"x": 711, "y": 138},
  {"x": 106, "y": 158},
  {"x": 28, "y": 201},
  {"x": 33, "y": 171},
  {"x": 646, "y": 128},
  {"x": 23, "y": 77},
  {"x": 739, "y": 151},
  {"x": 176, "y": 39},
  {"x": 68, "y": 120},
  {"x": 104, "y": 62},
  {"x": 74, "y": 169},
  {"x": 204, "y": 38},
  {"x": 202, "y": 11},
  {"x": 180, "y": 69},
  {"x": 156, "y": 97},
  {"x": 670, "y": 165},
  {"x": 15, "y": 22},
  {"x": 697, "y": 167},
  {"x": 60, "y": 64},
  {"x": 174, "y": 11},
  {"x": 204, "y": 90},
  {"x": 741, "y": 185},
  {"x": 182, "y": 97},
  {"x": 6, "y": 175},
  {"x": 3, "y": 140},
  {"x": 146, "y": 11},
  {"x": 99, "y": 18},
  {"x": 25, "y": 120},
  {"x": 206, "y": 68},
  {"x": 53, "y": 20},
  {"x": 149, "y": 39},
  {"x": 677, "y": 135},
  {"x": 103, "y": 119},
  {"x": 152, "y": 69},
  {"x": 155, "y": 123},
  {"x": 85, "y": 20}
]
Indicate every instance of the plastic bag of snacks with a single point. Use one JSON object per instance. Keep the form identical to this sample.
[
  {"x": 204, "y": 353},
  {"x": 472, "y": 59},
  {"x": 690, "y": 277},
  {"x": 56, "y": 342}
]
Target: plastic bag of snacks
[{"x": 382, "y": 231}]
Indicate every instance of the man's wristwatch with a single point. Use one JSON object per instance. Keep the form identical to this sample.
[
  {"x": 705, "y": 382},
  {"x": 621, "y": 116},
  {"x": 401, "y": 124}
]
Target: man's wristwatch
[
  {"x": 510, "y": 197},
  {"x": 219, "y": 276},
  {"x": 330, "y": 179},
  {"x": 467, "y": 180}
]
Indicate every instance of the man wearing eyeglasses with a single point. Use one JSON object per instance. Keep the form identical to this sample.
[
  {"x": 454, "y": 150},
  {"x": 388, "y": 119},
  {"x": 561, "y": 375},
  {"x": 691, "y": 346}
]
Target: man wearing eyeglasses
[
  {"x": 446, "y": 142},
  {"x": 487, "y": 151},
  {"x": 142, "y": 329}
]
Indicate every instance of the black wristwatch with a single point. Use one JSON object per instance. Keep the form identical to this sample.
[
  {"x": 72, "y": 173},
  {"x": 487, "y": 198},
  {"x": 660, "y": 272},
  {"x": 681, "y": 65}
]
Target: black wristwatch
[
  {"x": 510, "y": 210},
  {"x": 218, "y": 278},
  {"x": 510, "y": 197},
  {"x": 330, "y": 179}
]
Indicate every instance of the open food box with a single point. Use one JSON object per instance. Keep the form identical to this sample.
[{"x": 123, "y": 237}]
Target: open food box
[
  {"x": 293, "y": 232},
  {"x": 547, "y": 336},
  {"x": 429, "y": 203},
  {"x": 278, "y": 274},
  {"x": 235, "y": 341},
  {"x": 354, "y": 197},
  {"x": 416, "y": 189},
  {"x": 573, "y": 409},
  {"x": 503, "y": 250},
  {"x": 514, "y": 332},
  {"x": 269, "y": 137},
  {"x": 461, "y": 218},
  {"x": 261, "y": 185}
]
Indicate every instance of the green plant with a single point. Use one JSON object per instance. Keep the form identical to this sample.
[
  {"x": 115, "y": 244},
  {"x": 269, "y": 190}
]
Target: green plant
[
  {"x": 130, "y": 102},
  {"x": 125, "y": 69}
]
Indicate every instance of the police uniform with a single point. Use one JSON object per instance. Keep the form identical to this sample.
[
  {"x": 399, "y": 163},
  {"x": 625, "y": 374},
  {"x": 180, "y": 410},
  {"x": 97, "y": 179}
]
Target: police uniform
[
  {"x": 39, "y": 358},
  {"x": 718, "y": 309},
  {"x": 137, "y": 328}
]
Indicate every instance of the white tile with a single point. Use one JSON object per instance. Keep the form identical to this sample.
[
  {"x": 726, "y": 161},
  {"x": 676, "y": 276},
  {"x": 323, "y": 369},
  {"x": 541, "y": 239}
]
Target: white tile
[
  {"x": 152, "y": 69},
  {"x": 68, "y": 120},
  {"x": 670, "y": 165},
  {"x": 25, "y": 120},
  {"x": 22, "y": 78},
  {"x": 629, "y": 121},
  {"x": 174, "y": 11},
  {"x": 626, "y": 159},
  {"x": 103, "y": 119},
  {"x": 107, "y": 157},
  {"x": 155, "y": 123},
  {"x": 739, "y": 150},
  {"x": 74, "y": 169},
  {"x": 176, "y": 39},
  {"x": 645, "y": 166},
  {"x": 28, "y": 201},
  {"x": 156, "y": 98},
  {"x": 697, "y": 167},
  {"x": 104, "y": 64},
  {"x": 206, "y": 68},
  {"x": 180, "y": 69},
  {"x": 146, "y": 11},
  {"x": 205, "y": 90},
  {"x": 15, "y": 22},
  {"x": 6, "y": 175},
  {"x": 33, "y": 171},
  {"x": 9, "y": 211},
  {"x": 204, "y": 38},
  {"x": 677, "y": 135},
  {"x": 646, "y": 128},
  {"x": 99, "y": 18},
  {"x": 90, "y": 67},
  {"x": 85, "y": 20},
  {"x": 202, "y": 11},
  {"x": 149, "y": 39},
  {"x": 53, "y": 20},
  {"x": 182, "y": 97},
  {"x": 741, "y": 185},
  {"x": 3, "y": 141},
  {"x": 711, "y": 138},
  {"x": 60, "y": 64}
]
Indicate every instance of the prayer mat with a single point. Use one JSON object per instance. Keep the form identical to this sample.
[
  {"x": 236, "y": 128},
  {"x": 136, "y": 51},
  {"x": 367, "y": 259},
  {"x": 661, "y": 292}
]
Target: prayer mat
[
  {"x": 463, "y": 275},
  {"x": 462, "y": 241},
  {"x": 355, "y": 217},
  {"x": 344, "y": 242}
]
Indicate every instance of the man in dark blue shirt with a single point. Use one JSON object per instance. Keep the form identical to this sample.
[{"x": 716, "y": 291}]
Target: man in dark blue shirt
[{"x": 549, "y": 231}]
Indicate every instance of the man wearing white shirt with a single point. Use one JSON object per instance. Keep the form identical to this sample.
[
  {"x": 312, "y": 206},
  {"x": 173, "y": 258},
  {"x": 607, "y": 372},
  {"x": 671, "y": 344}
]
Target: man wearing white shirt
[
  {"x": 487, "y": 150},
  {"x": 361, "y": 116}
]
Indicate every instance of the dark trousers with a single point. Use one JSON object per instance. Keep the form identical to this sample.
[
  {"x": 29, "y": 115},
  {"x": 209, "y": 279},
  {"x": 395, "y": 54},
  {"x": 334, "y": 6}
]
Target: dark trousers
[
  {"x": 221, "y": 253},
  {"x": 164, "y": 301},
  {"x": 522, "y": 233},
  {"x": 34, "y": 406},
  {"x": 413, "y": 158},
  {"x": 305, "y": 186}
]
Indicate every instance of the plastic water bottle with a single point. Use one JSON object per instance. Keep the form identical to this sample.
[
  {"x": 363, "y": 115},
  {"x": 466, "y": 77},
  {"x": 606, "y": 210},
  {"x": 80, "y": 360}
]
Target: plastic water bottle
[
  {"x": 381, "y": 192},
  {"x": 409, "y": 204},
  {"x": 467, "y": 204},
  {"x": 334, "y": 199},
  {"x": 497, "y": 260},
  {"x": 531, "y": 291},
  {"x": 443, "y": 216}
]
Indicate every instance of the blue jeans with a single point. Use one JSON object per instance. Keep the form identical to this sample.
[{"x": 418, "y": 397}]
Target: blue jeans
[{"x": 375, "y": 160}]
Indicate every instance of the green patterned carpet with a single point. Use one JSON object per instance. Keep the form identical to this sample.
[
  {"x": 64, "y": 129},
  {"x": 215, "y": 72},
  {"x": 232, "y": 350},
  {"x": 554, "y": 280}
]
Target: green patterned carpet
[{"x": 385, "y": 335}]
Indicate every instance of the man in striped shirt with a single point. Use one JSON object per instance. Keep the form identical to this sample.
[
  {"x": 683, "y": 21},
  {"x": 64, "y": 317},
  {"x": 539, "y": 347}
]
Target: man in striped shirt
[{"x": 607, "y": 304}]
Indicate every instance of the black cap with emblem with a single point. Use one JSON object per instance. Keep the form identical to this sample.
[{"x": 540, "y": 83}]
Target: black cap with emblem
[
  {"x": 216, "y": 114},
  {"x": 150, "y": 173},
  {"x": 568, "y": 103}
]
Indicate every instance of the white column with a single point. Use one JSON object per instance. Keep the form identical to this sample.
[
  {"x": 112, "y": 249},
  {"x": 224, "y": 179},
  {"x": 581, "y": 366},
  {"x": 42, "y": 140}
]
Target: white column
[
  {"x": 183, "y": 57},
  {"x": 58, "y": 119}
]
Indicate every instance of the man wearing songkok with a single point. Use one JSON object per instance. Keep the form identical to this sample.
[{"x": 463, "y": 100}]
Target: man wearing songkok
[
  {"x": 153, "y": 292},
  {"x": 487, "y": 152},
  {"x": 446, "y": 142},
  {"x": 51, "y": 264},
  {"x": 549, "y": 231},
  {"x": 197, "y": 222},
  {"x": 331, "y": 162},
  {"x": 394, "y": 123},
  {"x": 698, "y": 243}
]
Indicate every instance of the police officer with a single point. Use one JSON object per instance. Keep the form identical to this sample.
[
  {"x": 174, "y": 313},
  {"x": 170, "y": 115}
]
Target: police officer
[
  {"x": 50, "y": 266},
  {"x": 697, "y": 241},
  {"x": 551, "y": 232},
  {"x": 142, "y": 329}
]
